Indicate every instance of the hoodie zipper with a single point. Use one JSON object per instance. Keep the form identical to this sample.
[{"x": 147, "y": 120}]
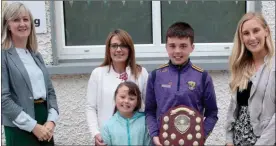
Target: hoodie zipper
[
  {"x": 178, "y": 81},
  {"x": 128, "y": 132}
]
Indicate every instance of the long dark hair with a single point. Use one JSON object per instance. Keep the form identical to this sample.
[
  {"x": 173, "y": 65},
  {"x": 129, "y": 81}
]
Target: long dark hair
[
  {"x": 134, "y": 90},
  {"x": 126, "y": 39}
]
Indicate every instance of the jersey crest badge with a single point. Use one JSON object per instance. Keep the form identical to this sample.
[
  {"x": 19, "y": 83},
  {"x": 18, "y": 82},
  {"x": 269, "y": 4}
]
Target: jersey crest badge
[{"x": 191, "y": 85}]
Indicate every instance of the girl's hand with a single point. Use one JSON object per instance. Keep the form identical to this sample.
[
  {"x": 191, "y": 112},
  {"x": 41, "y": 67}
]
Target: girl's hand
[
  {"x": 229, "y": 144},
  {"x": 98, "y": 140},
  {"x": 156, "y": 141}
]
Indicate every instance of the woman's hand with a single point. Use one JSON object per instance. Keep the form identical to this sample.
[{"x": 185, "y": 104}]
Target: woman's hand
[
  {"x": 98, "y": 140},
  {"x": 41, "y": 132},
  {"x": 50, "y": 126},
  {"x": 229, "y": 144},
  {"x": 156, "y": 141}
]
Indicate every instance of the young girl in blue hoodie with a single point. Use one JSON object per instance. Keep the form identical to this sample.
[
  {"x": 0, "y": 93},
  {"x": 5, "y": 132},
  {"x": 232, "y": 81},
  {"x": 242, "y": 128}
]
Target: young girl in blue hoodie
[{"x": 127, "y": 126}]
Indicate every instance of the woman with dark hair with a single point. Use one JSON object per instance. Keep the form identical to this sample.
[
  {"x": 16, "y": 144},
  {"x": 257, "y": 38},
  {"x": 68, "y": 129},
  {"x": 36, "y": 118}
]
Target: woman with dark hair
[{"x": 119, "y": 65}]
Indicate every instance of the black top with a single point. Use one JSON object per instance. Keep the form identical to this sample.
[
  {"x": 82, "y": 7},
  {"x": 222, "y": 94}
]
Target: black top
[{"x": 243, "y": 96}]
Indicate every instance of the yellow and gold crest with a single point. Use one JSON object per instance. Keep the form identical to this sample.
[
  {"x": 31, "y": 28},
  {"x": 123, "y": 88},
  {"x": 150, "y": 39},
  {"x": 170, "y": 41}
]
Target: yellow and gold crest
[{"x": 191, "y": 85}]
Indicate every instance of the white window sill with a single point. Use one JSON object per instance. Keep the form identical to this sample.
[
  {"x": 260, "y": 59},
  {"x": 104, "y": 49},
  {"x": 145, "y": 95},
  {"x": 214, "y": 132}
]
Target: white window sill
[{"x": 86, "y": 66}]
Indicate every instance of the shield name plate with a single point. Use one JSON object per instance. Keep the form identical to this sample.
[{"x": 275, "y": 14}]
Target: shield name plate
[{"x": 181, "y": 125}]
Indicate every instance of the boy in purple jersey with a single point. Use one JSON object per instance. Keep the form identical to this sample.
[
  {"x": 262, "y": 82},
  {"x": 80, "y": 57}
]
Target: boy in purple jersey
[{"x": 179, "y": 82}]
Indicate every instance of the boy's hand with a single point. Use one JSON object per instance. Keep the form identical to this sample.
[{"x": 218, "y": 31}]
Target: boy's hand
[{"x": 156, "y": 141}]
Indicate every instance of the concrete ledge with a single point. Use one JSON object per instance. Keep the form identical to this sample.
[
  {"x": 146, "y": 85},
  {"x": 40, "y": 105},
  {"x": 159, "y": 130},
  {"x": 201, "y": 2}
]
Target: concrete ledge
[{"x": 86, "y": 67}]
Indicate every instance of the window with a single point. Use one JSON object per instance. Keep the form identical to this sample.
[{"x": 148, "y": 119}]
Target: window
[
  {"x": 97, "y": 19},
  {"x": 209, "y": 19},
  {"x": 82, "y": 26}
]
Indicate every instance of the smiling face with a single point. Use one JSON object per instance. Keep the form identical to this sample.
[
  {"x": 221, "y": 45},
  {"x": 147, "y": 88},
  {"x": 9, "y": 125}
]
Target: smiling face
[
  {"x": 118, "y": 51},
  {"x": 179, "y": 49},
  {"x": 125, "y": 103},
  {"x": 20, "y": 27},
  {"x": 254, "y": 36}
]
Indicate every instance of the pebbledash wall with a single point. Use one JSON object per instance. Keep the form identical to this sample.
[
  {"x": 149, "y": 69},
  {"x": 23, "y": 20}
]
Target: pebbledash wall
[{"x": 72, "y": 127}]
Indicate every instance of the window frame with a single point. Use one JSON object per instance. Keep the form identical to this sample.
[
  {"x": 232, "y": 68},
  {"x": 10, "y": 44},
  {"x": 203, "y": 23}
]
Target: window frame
[{"x": 156, "y": 49}]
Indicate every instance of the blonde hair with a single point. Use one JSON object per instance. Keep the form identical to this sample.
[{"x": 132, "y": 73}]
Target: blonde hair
[
  {"x": 241, "y": 60},
  {"x": 11, "y": 12}
]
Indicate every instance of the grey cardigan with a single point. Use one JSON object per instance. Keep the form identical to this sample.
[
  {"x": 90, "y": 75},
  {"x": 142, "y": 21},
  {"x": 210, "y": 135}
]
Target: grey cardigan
[
  {"x": 16, "y": 87},
  {"x": 261, "y": 106}
]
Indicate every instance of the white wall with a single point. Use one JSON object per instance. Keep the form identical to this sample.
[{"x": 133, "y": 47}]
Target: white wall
[
  {"x": 268, "y": 10},
  {"x": 72, "y": 128},
  {"x": 44, "y": 40}
]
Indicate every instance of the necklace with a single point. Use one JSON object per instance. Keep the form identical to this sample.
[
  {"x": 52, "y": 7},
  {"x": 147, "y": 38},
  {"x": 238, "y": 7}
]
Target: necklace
[{"x": 123, "y": 76}]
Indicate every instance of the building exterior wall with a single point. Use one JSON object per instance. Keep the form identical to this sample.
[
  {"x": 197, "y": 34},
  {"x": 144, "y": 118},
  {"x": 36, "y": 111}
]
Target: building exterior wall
[
  {"x": 72, "y": 127},
  {"x": 44, "y": 40},
  {"x": 268, "y": 10}
]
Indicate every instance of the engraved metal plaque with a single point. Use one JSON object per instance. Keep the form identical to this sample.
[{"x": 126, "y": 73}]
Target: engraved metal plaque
[
  {"x": 182, "y": 123},
  {"x": 182, "y": 126}
]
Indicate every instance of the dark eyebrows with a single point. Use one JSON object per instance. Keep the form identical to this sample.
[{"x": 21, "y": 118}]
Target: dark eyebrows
[
  {"x": 171, "y": 44},
  {"x": 183, "y": 44},
  {"x": 118, "y": 44}
]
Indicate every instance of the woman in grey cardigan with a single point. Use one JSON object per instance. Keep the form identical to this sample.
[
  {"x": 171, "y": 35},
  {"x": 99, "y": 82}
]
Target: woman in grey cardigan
[
  {"x": 29, "y": 105},
  {"x": 251, "y": 114}
]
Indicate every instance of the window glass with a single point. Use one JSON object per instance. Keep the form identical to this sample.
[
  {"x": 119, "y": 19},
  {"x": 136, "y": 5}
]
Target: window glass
[
  {"x": 90, "y": 22},
  {"x": 213, "y": 21}
]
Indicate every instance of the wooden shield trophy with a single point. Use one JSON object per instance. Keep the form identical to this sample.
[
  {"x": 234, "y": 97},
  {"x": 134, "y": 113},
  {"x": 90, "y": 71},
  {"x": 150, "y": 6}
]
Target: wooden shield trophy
[{"x": 182, "y": 125}]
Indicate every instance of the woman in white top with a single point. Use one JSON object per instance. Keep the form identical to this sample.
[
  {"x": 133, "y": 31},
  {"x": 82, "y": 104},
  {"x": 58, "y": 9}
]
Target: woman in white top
[{"x": 119, "y": 65}]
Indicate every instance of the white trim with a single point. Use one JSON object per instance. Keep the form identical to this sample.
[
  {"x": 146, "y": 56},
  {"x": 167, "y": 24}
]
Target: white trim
[
  {"x": 144, "y": 55},
  {"x": 60, "y": 39},
  {"x": 156, "y": 23},
  {"x": 199, "y": 47},
  {"x": 157, "y": 49},
  {"x": 250, "y": 6},
  {"x": 148, "y": 51}
]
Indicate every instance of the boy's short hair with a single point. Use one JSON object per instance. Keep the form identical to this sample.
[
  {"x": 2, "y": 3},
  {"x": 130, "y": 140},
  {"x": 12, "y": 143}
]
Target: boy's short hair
[{"x": 180, "y": 30}]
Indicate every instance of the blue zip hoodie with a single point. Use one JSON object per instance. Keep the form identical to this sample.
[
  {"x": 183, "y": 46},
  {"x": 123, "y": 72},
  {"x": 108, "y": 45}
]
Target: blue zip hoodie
[{"x": 126, "y": 131}]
